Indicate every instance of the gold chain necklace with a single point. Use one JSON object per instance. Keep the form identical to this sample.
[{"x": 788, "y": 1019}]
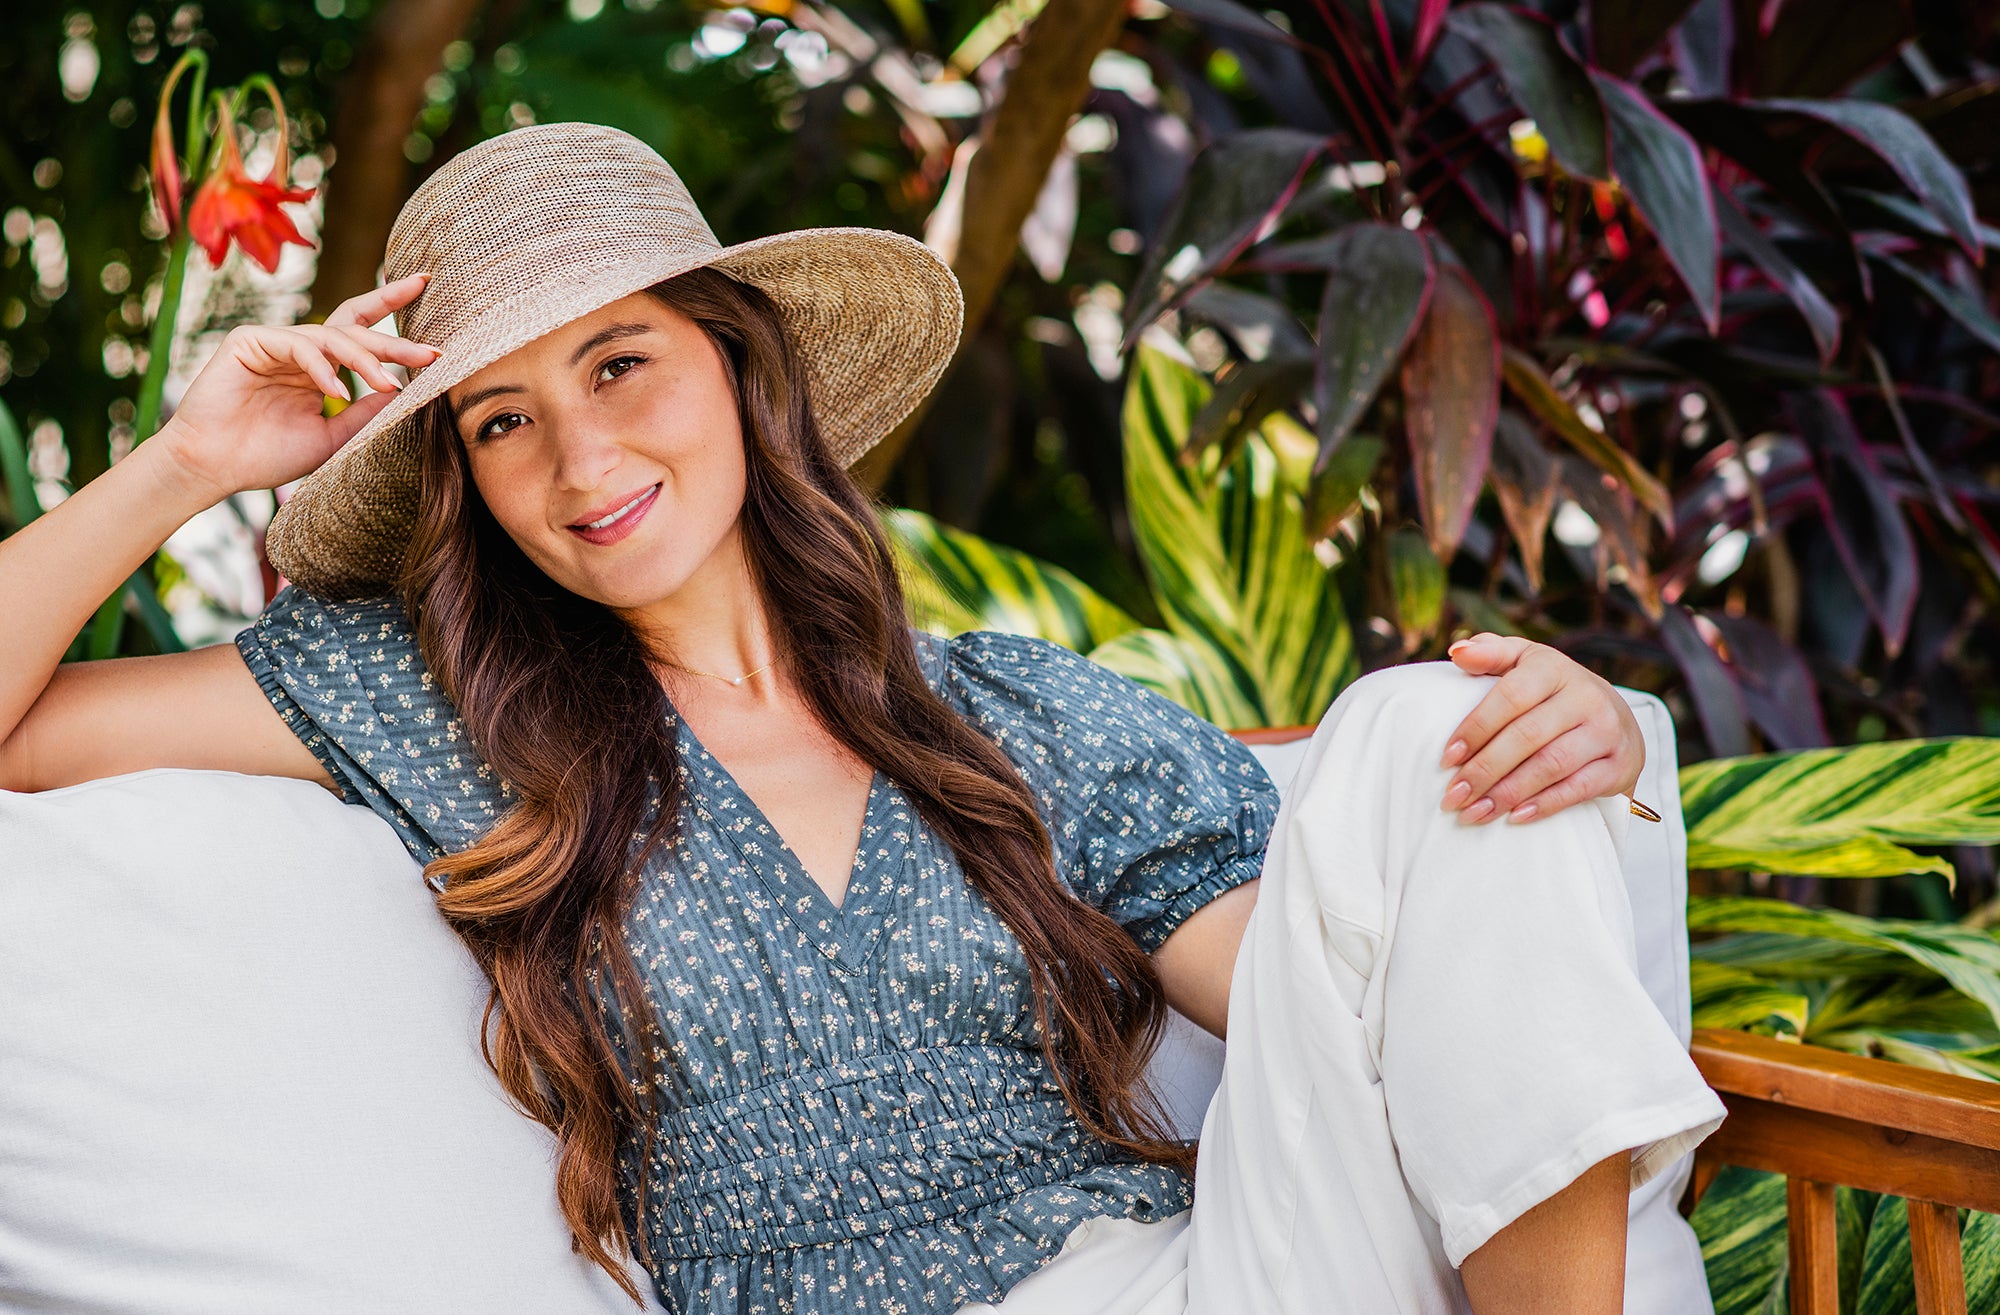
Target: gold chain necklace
[{"x": 734, "y": 680}]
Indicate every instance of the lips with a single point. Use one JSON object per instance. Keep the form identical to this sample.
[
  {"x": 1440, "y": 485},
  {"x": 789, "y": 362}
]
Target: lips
[{"x": 618, "y": 518}]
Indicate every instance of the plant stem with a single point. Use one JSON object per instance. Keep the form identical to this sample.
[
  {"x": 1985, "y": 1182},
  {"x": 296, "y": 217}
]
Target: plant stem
[{"x": 159, "y": 350}]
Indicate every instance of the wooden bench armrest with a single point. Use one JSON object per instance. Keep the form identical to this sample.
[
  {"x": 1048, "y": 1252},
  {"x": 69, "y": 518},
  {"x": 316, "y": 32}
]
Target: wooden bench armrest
[
  {"x": 1825, "y": 1118},
  {"x": 1896, "y": 1096}
]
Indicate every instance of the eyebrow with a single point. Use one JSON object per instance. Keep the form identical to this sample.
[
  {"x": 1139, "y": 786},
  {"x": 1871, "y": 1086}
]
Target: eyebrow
[{"x": 610, "y": 333}]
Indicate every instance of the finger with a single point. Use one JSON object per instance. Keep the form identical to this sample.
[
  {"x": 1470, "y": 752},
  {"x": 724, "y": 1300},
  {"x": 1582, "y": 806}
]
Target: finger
[
  {"x": 384, "y": 346},
  {"x": 1528, "y": 684},
  {"x": 1550, "y": 764},
  {"x": 356, "y": 355},
  {"x": 379, "y": 302},
  {"x": 304, "y": 355},
  {"x": 1488, "y": 654},
  {"x": 1510, "y": 746},
  {"x": 1594, "y": 780},
  {"x": 351, "y": 418}
]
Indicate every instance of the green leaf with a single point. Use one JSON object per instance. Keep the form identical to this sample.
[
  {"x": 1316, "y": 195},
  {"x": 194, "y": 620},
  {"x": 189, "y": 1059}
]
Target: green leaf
[
  {"x": 1888, "y": 1282},
  {"x": 1242, "y": 399},
  {"x": 958, "y": 581},
  {"x": 1190, "y": 673},
  {"x": 1544, "y": 79},
  {"x": 1907, "y": 149},
  {"x": 1843, "y": 812},
  {"x": 1660, "y": 166},
  {"x": 1532, "y": 386},
  {"x": 1416, "y": 582},
  {"x": 1378, "y": 281},
  {"x": 22, "y": 502},
  {"x": 1234, "y": 188},
  {"x": 1740, "y": 1222},
  {"x": 1730, "y": 997},
  {"x": 1451, "y": 385},
  {"x": 1226, "y": 550},
  {"x": 1336, "y": 490},
  {"x": 1968, "y": 960},
  {"x": 1820, "y": 316}
]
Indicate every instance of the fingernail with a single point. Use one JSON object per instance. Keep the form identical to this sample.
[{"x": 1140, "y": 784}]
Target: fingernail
[
  {"x": 1479, "y": 812},
  {"x": 1457, "y": 644},
  {"x": 1522, "y": 814},
  {"x": 1454, "y": 754},
  {"x": 1456, "y": 795},
  {"x": 342, "y": 394}
]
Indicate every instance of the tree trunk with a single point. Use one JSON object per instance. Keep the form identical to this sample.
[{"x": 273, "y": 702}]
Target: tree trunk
[
  {"x": 378, "y": 103},
  {"x": 1047, "y": 84}
]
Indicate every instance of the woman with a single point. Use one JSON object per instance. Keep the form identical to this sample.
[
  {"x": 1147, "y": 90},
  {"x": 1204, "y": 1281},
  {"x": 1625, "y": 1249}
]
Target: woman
[{"x": 831, "y": 952}]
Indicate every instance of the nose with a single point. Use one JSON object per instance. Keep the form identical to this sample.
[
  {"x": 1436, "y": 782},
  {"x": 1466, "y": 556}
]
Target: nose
[{"x": 586, "y": 452}]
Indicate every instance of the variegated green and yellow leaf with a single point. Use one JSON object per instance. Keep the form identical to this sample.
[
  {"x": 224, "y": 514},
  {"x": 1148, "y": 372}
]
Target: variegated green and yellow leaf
[
  {"x": 1730, "y": 997},
  {"x": 1845, "y": 812},
  {"x": 1226, "y": 547},
  {"x": 1968, "y": 960},
  {"x": 956, "y": 581},
  {"x": 1190, "y": 674}
]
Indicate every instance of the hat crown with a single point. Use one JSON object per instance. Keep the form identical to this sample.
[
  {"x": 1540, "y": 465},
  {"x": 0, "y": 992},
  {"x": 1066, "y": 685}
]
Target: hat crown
[{"x": 540, "y": 205}]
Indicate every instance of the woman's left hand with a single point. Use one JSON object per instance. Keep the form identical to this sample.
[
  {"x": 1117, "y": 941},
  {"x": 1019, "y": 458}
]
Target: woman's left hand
[{"x": 1549, "y": 734}]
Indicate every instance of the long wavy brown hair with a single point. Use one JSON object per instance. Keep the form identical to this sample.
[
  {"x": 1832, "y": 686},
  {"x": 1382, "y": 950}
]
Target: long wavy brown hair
[{"x": 560, "y": 698}]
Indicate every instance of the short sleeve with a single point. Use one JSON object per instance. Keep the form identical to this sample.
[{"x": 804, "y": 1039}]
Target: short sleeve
[
  {"x": 348, "y": 679},
  {"x": 1152, "y": 810}
]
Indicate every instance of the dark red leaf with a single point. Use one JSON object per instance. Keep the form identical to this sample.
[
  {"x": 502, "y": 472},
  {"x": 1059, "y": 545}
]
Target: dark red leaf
[{"x": 1451, "y": 387}]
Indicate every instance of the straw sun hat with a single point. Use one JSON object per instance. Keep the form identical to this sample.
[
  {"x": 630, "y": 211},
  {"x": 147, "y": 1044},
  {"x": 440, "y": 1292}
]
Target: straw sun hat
[{"x": 539, "y": 227}]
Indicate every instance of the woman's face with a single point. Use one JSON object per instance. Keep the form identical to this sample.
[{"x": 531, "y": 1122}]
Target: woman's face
[{"x": 610, "y": 451}]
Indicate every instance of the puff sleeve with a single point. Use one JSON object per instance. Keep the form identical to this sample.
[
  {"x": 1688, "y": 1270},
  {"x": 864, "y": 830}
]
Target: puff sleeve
[
  {"x": 348, "y": 679},
  {"x": 1152, "y": 811}
]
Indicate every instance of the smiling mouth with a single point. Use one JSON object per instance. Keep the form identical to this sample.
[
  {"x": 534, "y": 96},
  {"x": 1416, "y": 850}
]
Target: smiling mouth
[{"x": 618, "y": 519}]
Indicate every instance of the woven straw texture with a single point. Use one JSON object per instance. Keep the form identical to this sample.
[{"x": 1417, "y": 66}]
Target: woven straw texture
[{"x": 538, "y": 227}]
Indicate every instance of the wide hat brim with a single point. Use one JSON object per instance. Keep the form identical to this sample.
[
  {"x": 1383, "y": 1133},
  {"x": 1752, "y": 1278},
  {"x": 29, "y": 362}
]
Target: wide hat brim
[{"x": 875, "y": 316}]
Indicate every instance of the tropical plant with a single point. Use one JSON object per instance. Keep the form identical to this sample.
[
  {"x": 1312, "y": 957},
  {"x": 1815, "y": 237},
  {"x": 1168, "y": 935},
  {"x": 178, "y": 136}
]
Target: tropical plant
[
  {"x": 1256, "y": 630},
  {"x": 1699, "y": 287}
]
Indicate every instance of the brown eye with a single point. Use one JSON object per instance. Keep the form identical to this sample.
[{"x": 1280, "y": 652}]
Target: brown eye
[
  {"x": 488, "y": 429},
  {"x": 627, "y": 361}
]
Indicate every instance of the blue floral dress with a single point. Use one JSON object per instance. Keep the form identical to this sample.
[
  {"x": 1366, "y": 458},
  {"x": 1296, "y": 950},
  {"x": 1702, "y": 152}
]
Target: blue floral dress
[{"x": 860, "y": 1119}]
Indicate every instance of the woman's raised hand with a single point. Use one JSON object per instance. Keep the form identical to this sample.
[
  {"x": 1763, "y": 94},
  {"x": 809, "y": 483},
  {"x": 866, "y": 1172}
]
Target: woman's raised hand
[
  {"x": 1549, "y": 734},
  {"x": 252, "y": 418}
]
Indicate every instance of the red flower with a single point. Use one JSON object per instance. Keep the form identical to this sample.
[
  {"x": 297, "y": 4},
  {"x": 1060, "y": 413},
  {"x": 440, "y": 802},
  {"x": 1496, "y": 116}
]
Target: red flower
[
  {"x": 232, "y": 206},
  {"x": 166, "y": 164}
]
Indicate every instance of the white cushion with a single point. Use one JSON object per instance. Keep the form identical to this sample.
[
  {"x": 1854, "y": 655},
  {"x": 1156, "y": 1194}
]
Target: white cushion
[{"x": 240, "y": 1070}]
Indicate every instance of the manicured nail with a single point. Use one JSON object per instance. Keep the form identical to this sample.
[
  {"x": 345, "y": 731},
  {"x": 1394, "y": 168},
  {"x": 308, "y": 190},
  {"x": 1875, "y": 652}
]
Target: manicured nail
[
  {"x": 1479, "y": 812},
  {"x": 341, "y": 391},
  {"x": 1457, "y": 644},
  {"x": 1457, "y": 795},
  {"x": 1524, "y": 813},
  {"x": 1454, "y": 754}
]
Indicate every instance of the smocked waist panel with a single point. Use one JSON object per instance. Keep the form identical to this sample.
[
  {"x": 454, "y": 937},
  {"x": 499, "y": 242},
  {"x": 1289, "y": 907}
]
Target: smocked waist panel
[{"x": 947, "y": 1129}]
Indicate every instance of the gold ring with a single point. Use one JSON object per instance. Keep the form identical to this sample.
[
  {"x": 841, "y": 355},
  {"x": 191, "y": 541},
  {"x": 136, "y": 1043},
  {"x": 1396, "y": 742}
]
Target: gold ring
[{"x": 1640, "y": 810}]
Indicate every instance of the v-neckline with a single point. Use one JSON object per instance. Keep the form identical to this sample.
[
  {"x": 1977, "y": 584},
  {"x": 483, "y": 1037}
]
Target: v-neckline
[{"x": 846, "y": 932}]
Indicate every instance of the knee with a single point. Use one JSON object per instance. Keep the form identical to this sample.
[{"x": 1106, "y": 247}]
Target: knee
[
  {"x": 1422, "y": 701},
  {"x": 1393, "y": 724}
]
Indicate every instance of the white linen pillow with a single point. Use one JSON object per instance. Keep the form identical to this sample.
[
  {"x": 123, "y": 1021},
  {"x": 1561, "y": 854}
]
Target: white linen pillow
[{"x": 240, "y": 1071}]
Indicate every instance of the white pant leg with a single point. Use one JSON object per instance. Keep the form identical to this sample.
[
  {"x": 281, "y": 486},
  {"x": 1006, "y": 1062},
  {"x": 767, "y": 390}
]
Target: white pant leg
[{"x": 1432, "y": 1027}]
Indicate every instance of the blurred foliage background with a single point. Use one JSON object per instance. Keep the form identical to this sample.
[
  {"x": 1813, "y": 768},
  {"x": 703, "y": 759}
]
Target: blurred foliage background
[{"x": 1301, "y": 339}]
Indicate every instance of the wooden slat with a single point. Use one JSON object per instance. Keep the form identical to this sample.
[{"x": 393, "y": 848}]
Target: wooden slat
[
  {"x": 1275, "y": 734},
  {"x": 1937, "y": 1258},
  {"x": 1813, "y": 1241},
  {"x": 1915, "y": 1100},
  {"x": 1827, "y": 1148}
]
